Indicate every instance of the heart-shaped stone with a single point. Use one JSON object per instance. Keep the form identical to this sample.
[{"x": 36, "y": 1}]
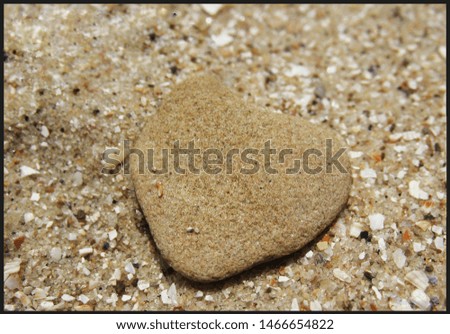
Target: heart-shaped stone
[{"x": 211, "y": 217}]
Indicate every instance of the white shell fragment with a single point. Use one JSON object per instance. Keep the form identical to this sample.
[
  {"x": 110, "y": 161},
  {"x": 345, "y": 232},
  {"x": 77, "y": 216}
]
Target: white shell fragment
[
  {"x": 112, "y": 235},
  {"x": 169, "y": 296},
  {"x": 129, "y": 268},
  {"x": 211, "y": 9},
  {"x": 298, "y": 70},
  {"x": 341, "y": 275},
  {"x": 356, "y": 229},
  {"x": 27, "y": 171},
  {"x": 126, "y": 298},
  {"x": 400, "y": 305},
  {"x": 47, "y": 305},
  {"x": 11, "y": 268},
  {"x": 222, "y": 39},
  {"x": 368, "y": 173},
  {"x": 83, "y": 298},
  {"x": 85, "y": 251},
  {"x": 421, "y": 299},
  {"x": 142, "y": 285},
  {"x": 209, "y": 298},
  {"x": 418, "y": 247},
  {"x": 416, "y": 192},
  {"x": 283, "y": 279},
  {"x": 12, "y": 282},
  {"x": 315, "y": 306},
  {"x": 417, "y": 278},
  {"x": 322, "y": 245},
  {"x": 411, "y": 135}
]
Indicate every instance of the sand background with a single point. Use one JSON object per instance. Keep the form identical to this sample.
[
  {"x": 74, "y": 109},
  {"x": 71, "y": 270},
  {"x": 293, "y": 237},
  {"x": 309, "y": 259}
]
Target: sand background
[{"x": 81, "y": 78}]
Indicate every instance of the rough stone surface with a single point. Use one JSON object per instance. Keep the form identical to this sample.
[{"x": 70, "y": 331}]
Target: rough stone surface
[{"x": 211, "y": 226}]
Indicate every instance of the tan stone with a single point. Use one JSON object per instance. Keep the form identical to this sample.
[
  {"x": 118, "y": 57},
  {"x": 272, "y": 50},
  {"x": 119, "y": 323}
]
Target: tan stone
[{"x": 208, "y": 227}]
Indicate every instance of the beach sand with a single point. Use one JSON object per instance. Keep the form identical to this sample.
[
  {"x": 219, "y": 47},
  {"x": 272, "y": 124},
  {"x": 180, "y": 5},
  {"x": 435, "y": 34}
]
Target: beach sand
[{"x": 79, "y": 79}]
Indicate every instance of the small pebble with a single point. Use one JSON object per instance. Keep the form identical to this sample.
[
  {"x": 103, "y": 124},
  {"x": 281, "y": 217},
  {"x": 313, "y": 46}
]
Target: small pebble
[
  {"x": 368, "y": 173},
  {"x": 423, "y": 224},
  {"x": 294, "y": 305},
  {"x": 84, "y": 299},
  {"x": 209, "y": 298},
  {"x": 322, "y": 245},
  {"x": 433, "y": 280},
  {"x": 35, "y": 197},
  {"x": 169, "y": 296},
  {"x": 439, "y": 243},
  {"x": 401, "y": 305},
  {"x": 399, "y": 258},
  {"x": 437, "y": 229},
  {"x": 46, "y": 305},
  {"x": 418, "y": 247},
  {"x": 142, "y": 285},
  {"x": 416, "y": 192},
  {"x": 435, "y": 300},
  {"x": 12, "y": 267},
  {"x": 297, "y": 70},
  {"x": 365, "y": 235},
  {"x": 55, "y": 253},
  {"x": 376, "y": 221},
  {"x": 86, "y": 251},
  {"x": 283, "y": 279},
  {"x": 112, "y": 235}
]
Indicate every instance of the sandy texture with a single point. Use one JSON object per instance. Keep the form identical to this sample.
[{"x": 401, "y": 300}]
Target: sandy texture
[
  {"x": 79, "y": 79},
  {"x": 211, "y": 223}
]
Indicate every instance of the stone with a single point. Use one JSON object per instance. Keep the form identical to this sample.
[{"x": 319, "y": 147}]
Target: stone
[{"x": 224, "y": 218}]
